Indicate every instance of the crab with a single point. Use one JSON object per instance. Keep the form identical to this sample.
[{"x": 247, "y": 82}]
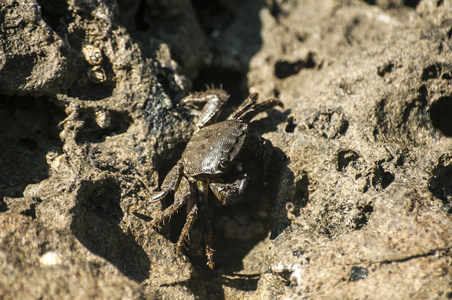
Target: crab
[{"x": 213, "y": 150}]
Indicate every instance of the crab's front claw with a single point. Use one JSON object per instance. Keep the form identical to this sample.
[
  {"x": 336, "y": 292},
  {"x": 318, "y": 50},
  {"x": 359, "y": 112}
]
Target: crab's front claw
[
  {"x": 170, "y": 184},
  {"x": 230, "y": 193}
]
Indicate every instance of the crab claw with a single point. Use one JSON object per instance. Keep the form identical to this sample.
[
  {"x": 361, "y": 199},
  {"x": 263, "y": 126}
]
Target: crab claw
[
  {"x": 230, "y": 193},
  {"x": 159, "y": 196}
]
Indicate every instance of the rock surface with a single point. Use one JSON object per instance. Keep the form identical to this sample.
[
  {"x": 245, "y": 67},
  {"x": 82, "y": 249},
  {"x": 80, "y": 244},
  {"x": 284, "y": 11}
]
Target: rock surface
[{"x": 358, "y": 200}]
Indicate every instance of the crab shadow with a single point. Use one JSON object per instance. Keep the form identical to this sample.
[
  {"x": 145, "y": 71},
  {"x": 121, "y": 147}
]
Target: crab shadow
[{"x": 95, "y": 223}]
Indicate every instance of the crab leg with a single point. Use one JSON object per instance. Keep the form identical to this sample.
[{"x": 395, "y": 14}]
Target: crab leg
[
  {"x": 191, "y": 218},
  {"x": 255, "y": 109},
  {"x": 203, "y": 188},
  {"x": 183, "y": 193},
  {"x": 230, "y": 193},
  {"x": 244, "y": 107},
  {"x": 214, "y": 99}
]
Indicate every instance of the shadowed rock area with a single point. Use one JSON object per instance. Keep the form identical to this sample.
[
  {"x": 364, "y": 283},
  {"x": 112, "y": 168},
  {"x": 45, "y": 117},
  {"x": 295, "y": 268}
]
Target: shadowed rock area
[{"x": 357, "y": 203}]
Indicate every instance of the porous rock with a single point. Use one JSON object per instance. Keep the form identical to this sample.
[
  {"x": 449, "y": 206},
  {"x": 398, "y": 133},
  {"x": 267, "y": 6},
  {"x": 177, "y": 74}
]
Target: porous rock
[{"x": 357, "y": 202}]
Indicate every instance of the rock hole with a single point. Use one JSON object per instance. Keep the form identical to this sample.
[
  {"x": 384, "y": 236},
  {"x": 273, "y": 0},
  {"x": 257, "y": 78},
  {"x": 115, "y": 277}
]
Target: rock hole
[
  {"x": 447, "y": 75},
  {"x": 440, "y": 184},
  {"x": 284, "y": 69},
  {"x": 388, "y": 178},
  {"x": 291, "y": 125},
  {"x": 363, "y": 217},
  {"x": 345, "y": 158},
  {"x": 411, "y": 3},
  {"x": 440, "y": 114},
  {"x": 390, "y": 4},
  {"x": 301, "y": 197},
  {"x": 382, "y": 179},
  {"x": 437, "y": 70},
  {"x": 430, "y": 72},
  {"x": 382, "y": 71},
  {"x": 401, "y": 157},
  {"x": 275, "y": 8},
  {"x": 98, "y": 125},
  {"x": 31, "y": 212}
]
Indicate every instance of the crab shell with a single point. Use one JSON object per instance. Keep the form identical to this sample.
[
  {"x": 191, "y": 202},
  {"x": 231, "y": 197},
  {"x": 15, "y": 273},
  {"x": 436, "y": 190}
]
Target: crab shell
[{"x": 213, "y": 149}]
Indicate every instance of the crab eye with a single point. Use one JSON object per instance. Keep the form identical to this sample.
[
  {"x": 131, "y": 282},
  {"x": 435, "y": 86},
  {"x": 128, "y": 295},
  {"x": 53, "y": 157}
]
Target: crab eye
[{"x": 224, "y": 164}]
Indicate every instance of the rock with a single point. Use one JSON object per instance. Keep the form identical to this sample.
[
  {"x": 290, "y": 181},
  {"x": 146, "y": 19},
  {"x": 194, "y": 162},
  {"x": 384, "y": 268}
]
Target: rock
[{"x": 357, "y": 203}]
